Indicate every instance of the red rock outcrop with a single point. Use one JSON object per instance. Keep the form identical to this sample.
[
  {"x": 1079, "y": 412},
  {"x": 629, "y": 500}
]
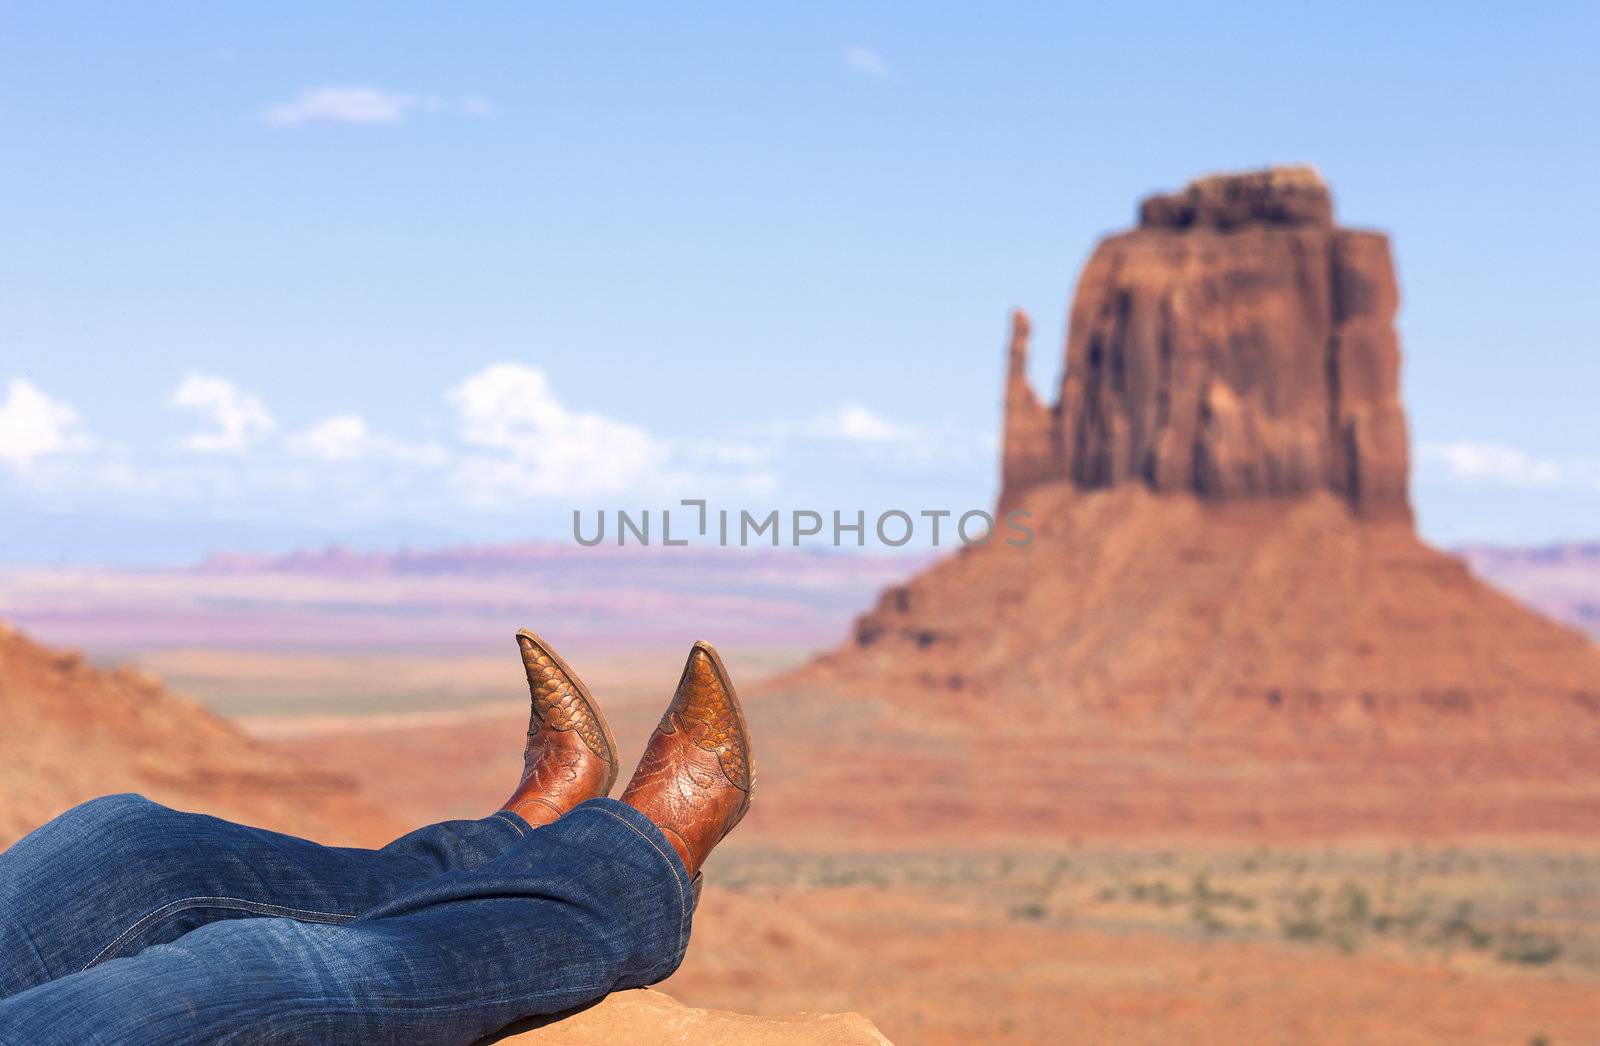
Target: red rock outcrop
[
  {"x": 73, "y": 731},
  {"x": 1223, "y": 542},
  {"x": 1236, "y": 345},
  {"x": 650, "y": 1018}
]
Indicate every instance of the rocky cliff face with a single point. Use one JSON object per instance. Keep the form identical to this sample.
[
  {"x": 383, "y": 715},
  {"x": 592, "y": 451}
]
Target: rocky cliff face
[
  {"x": 1236, "y": 345},
  {"x": 72, "y": 731}
]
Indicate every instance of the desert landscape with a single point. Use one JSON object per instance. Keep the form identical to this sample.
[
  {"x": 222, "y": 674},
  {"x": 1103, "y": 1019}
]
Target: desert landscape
[{"x": 1227, "y": 753}]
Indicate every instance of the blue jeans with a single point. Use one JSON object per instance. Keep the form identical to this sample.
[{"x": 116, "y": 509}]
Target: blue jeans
[{"x": 123, "y": 921}]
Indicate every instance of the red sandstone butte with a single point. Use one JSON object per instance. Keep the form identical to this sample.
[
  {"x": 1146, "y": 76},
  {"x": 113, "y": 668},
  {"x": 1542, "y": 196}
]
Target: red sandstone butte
[
  {"x": 1236, "y": 344},
  {"x": 1223, "y": 539}
]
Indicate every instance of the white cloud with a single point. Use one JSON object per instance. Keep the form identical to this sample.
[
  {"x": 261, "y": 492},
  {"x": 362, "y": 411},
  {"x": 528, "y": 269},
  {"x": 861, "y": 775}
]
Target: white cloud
[
  {"x": 730, "y": 453},
  {"x": 857, "y": 424},
  {"x": 1498, "y": 463},
  {"x": 356, "y": 105},
  {"x": 347, "y": 437},
  {"x": 515, "y": 447},
  {"x": 32, "y": 426},
  {"x": 866, "y": 60},
  {"x": 239, "y": 419},
  {"x": 363, "y": 106},
  {"x": 538, "y": 446},
  {"x": 344, "y": 437}
]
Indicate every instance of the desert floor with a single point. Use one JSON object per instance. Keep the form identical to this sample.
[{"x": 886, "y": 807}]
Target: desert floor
[{"x": 1232, "y": 920}]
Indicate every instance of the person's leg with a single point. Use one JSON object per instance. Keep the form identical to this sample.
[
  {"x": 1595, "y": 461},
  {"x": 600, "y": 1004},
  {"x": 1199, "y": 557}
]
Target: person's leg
[
  {"x": 121, "y": 873},
  {"x": 594, "y": 902},
  {"x": 600, "y": 899}
]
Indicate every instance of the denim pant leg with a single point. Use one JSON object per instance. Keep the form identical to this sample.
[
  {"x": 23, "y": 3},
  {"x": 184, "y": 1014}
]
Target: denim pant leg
[
  {"x": 594, "y": 902},
  {"x": 121, "y": 873}
]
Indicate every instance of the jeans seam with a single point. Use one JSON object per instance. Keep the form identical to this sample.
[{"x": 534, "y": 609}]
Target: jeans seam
[
  {"x": 232, "y": 903},
  {"x": 508, "y": 819},
  {"x": 683, "y": 913}
]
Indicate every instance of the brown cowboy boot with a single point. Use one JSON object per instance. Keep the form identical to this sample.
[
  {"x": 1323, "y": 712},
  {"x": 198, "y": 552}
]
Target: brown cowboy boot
[
  {"x": 696, "y": 777},
  {"x": 571, "y": 755}
]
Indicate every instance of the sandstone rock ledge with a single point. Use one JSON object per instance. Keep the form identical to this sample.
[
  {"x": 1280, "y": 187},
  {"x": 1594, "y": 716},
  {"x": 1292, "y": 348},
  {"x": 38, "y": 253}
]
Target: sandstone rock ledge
[{"x": 649, "y": 1018}]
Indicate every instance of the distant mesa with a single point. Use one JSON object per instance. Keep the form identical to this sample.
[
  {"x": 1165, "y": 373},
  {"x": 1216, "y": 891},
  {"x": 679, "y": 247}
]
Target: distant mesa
[{"x": 1237, "y": 344}]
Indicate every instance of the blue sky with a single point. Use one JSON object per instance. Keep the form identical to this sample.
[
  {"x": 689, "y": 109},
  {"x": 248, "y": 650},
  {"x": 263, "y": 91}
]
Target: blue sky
[{"x": 258, "y": 261}]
